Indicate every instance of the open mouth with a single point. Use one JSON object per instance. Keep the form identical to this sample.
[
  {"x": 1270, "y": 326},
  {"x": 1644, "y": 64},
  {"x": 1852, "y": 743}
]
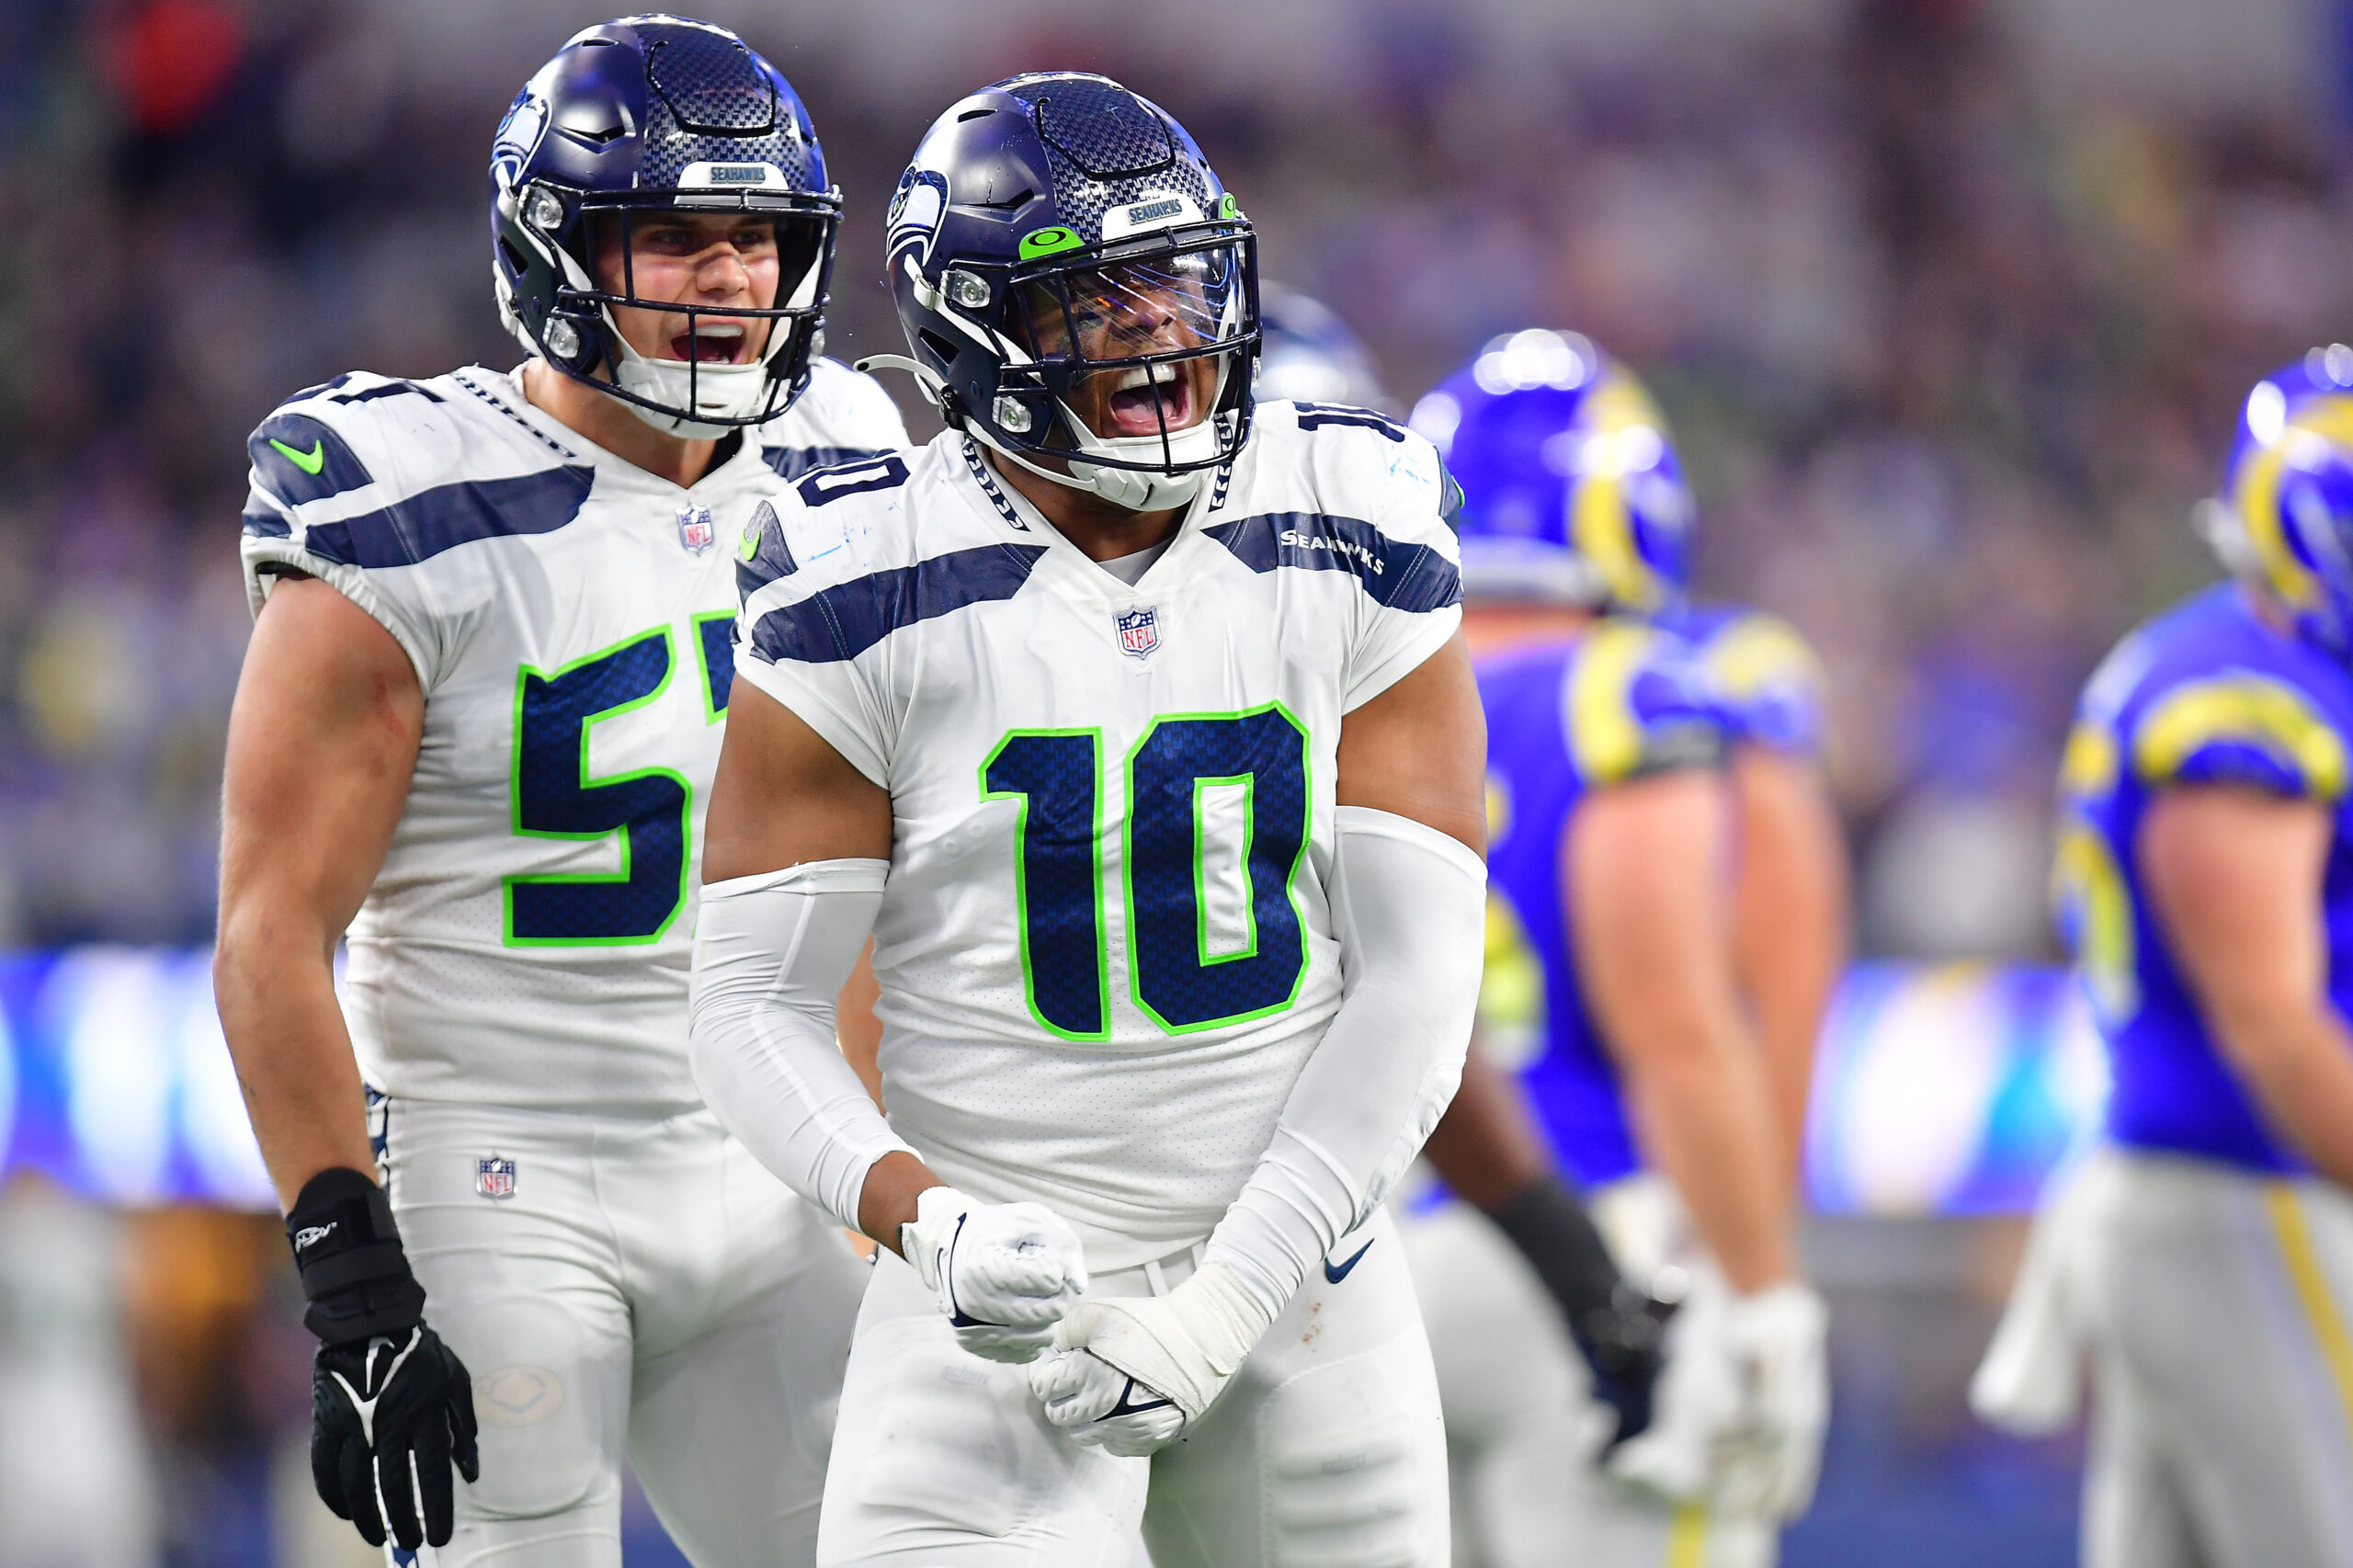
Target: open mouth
[
  {"x": 714, "y": 343},
  {"x": 1150, "y": 398}
]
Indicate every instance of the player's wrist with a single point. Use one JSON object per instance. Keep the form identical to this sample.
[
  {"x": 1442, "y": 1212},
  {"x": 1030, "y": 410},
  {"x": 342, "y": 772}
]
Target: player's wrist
[
  {"x": 1549, "y": 1226},
  {"x": 892, "y": 1199},
  {"x": 355, "y": 1275}
]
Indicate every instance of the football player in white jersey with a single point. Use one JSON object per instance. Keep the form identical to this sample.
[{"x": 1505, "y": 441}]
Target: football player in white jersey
[
  {"x": 1133, "y": 721},
  {"x": 477, "y": 726}
]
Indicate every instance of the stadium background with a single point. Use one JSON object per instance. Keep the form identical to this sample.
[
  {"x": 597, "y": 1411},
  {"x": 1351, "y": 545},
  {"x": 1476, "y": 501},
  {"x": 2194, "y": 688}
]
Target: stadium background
[{"x": 1950, "y": 301}]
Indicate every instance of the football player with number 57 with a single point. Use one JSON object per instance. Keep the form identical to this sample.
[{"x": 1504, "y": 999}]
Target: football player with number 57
[
  {"x": 1132, "y": 718},
  {"x": 477, "y": 726}
]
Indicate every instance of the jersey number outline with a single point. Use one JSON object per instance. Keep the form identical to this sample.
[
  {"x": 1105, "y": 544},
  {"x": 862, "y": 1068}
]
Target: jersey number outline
[
  {"x": 1173, "y": 977},
  {"x": 552, "y": 795}
]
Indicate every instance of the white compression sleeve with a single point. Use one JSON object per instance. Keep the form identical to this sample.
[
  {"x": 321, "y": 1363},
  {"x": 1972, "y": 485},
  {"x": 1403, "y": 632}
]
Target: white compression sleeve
[
  {"x": 771, "y": 955},
  {"x": 1410, "y": 903}
]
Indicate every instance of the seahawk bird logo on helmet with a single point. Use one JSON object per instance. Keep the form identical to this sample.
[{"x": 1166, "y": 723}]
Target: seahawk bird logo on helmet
[
  {"x": 1056, "y": 228},
  {"x": 651, "y": 115}
]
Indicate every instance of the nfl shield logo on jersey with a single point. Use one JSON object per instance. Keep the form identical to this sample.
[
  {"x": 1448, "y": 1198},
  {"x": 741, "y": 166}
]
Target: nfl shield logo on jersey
[
  {"x": 1140, "y": 632},
  {"x": 495, "y": 1177},
  {"x": 694, "y": 529}
]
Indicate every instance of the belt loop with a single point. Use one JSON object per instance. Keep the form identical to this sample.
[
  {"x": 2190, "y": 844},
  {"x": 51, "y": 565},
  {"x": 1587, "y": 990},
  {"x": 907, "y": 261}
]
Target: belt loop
[{"x": 1154, "y": 1278}]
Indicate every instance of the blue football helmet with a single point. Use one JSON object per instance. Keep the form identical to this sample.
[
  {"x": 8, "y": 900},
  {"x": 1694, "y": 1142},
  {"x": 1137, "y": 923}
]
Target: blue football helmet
[
  {"x": 658, "y": 114},
  {"x": 1572, "y": 492},
  {"x": 1307, "y": 354},
  {"x": 1054, "y": 227},
  {"x": 2284, "y": 521}
]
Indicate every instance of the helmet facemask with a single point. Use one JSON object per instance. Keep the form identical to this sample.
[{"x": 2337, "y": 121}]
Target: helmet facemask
[{"x": 1127, "y": 366}]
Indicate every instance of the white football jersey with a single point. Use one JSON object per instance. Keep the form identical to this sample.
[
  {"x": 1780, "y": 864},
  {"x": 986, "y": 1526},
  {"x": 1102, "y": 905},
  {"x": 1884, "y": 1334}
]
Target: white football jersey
[
  {"x": 570, "y": 615},
  {"x": 1105, "y": 946}
]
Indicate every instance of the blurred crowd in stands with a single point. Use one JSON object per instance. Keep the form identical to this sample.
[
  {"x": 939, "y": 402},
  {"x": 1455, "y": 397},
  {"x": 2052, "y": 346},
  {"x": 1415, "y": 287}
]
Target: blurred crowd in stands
[{"x": 1951, "y": 362}]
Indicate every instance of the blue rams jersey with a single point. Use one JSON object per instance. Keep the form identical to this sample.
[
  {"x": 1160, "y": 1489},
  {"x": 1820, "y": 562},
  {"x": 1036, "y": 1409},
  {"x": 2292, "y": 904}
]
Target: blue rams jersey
[
  {"x": 1620, "y": 701},
  {"x": 1764, "y": 676},
  {"x": 2205, "y": 694}
]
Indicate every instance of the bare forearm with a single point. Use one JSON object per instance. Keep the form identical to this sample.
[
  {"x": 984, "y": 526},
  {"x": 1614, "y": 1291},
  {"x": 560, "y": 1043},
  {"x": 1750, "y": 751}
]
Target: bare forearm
[
  {"x": 292, "y": 1053},
  {"x": 1485, "y": 1147},
  {"x": 888, "y": 1200},
  {"x": 1791, "y": 927},
  {"x": 1698, "y": 1103},
  {"x": 2299, "y": 1067}
]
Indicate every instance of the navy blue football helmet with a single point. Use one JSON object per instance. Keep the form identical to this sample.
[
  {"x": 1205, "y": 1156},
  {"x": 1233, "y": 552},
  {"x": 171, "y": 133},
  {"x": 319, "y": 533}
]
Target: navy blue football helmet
[
  {"x": 1056, "y": 227},
  {"x": 1307, "y": 354},
  {"x": 657, "y": 114}
]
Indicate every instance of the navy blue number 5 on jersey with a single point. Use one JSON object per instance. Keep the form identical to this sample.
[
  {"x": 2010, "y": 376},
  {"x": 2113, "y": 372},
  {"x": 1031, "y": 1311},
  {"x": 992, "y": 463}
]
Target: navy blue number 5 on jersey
[
  {"x": 556, "y": 797},
  {"x": 1175, "y": 978}
]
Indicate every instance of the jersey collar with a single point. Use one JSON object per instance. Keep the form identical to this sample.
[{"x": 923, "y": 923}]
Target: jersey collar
[{"x": 504, "y": 389}]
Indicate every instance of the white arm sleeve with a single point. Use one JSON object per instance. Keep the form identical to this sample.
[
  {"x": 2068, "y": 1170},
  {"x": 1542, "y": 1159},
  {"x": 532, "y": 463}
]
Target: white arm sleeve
[
  {"x": 771, "y": 955},
  {"x": 1410, "y": 903}
]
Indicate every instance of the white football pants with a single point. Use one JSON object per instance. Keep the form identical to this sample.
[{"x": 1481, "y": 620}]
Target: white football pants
[
  {"x": 648, "y": 1285},
  {"x": 1522, "y": 1428},
  {"x": 1326, "y": 1449},
  {"x": 2218, "y": 1305}
]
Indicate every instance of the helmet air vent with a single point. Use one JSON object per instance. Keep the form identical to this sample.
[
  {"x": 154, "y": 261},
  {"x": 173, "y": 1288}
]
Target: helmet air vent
[
  {"x": 1104, "y": 129},
  {"x": 711, "y": 87}
]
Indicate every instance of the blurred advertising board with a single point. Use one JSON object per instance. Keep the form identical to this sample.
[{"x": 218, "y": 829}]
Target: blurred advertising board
[{"x": 1940, "y": 1089}]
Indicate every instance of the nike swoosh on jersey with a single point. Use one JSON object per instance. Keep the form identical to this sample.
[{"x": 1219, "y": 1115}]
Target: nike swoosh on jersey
[
  {"x": 1336, "y": 1275},
  {"x": 309, "y": 461}
]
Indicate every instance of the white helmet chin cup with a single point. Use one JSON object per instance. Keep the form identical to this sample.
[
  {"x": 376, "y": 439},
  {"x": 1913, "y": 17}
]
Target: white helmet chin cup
[
  {"x": 1148, "y": 490},
  {"x": 730, "y": 393},
  {"x": 1144, "y": 490}
]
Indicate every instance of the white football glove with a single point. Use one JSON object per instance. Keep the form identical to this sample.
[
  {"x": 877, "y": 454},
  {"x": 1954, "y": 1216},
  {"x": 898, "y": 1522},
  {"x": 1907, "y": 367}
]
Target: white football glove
[
  {"x": 1129, "y": 1373},
  {"x": 1004, "y": 1273},
  {"x": 1696, "y": 1399},
  {"x": 1740, "y": 1407},
  {"x": 1768, "y": 1462}
]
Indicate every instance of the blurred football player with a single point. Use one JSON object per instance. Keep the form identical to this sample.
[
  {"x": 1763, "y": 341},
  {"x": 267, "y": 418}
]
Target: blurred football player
[
  {"x": 1487, "y": 1147},
  {"x": 477, "y": 724},
  {"x": 2205, "y": 885},
  {"x": 1615, "y": 989},
  {"x": 1134, "y": 718},
  {"x": 1307, "y": 354}
]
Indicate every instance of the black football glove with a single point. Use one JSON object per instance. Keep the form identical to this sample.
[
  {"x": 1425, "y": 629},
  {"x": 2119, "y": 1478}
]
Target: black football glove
[
  {"x": 1619, "y": 1329},
  {"x": 1624, "y": 1343},
  {"x": 391, "y": 1408}
]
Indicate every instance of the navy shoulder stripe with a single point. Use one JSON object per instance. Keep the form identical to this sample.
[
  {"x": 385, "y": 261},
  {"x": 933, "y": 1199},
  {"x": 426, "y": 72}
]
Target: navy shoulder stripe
[
  {"x": 262, "y": 522},
  {"x": 1411, "y": 578},
  {"x": 448, "y": 515},
  {"x": 792, "y": 462},
  {"x": 845, "y": 621},
  {"x": 763, "y": 556},
  {"x": 301, "y": 460}
]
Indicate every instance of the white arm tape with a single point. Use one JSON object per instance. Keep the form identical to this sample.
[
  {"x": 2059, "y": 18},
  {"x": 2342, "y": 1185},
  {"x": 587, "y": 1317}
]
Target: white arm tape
[
  {"x": 1410, "y": 905},
  {"x": 771, "y": 955}
]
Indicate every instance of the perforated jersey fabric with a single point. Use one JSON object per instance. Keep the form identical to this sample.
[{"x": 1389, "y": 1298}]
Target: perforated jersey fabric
[{"x": 527, "y": 940}]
